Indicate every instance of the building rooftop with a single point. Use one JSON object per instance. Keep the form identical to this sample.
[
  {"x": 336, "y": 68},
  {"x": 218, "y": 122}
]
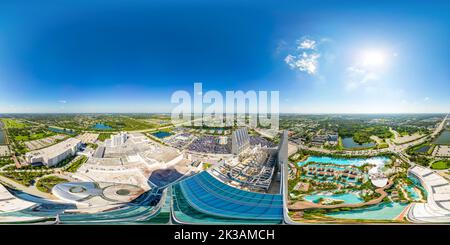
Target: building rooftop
[{"x": 55, "y": 150}]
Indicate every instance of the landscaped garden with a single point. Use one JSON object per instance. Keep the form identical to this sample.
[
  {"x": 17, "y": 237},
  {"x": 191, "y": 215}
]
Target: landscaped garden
[
  {"x": 46, "y": 184},
  {"x": 26, "y": 178},
  {"x": 77, "y": 164}
]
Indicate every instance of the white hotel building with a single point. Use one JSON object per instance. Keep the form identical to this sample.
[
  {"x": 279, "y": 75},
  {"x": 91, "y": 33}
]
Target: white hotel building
[{"x": 54, "y": 154}]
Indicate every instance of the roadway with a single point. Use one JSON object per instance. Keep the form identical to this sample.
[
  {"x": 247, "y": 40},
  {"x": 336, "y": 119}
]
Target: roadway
[{"x": 399, "y": 149}]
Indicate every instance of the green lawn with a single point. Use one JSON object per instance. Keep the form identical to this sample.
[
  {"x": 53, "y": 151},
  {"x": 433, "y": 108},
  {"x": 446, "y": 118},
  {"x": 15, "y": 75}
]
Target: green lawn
[
  {"x": 37, "y": 136},
  {"x": 439, "y": 165},
  {"x": 11, "y": 123},
  {"x": 46, "y": 184},
  {"x": 104, "y": 136},
  {"x": 74, "y": 167}
]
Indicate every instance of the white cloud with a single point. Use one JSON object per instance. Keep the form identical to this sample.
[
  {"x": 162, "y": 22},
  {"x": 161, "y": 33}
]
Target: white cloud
[
  {"x": 306, "y": 43},
  {"x": 305, "y": 58},
  {"x": 303, "y": 62},
  {"x": 62, "y": 101},
  {"x": 426, "y": 99}
]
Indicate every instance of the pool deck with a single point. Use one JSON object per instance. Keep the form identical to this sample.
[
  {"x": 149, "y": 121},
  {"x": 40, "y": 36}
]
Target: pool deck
[{"x": 302, "y": 205}]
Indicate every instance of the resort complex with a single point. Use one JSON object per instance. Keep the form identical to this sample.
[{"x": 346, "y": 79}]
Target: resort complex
[
  {"x": 167, "y": 174},
  {"x": 145, "y": 177}
]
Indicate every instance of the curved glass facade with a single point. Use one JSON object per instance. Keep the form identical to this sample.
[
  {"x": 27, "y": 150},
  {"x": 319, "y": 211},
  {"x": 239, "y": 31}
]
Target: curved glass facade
[{"x": 203, "y": 194}]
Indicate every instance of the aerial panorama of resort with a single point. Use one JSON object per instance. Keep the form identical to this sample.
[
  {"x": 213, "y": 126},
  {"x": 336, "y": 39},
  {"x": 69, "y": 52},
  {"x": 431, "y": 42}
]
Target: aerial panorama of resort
[
  {"x": 141, "y": 169},
  {"x": 251, "y": 115}
]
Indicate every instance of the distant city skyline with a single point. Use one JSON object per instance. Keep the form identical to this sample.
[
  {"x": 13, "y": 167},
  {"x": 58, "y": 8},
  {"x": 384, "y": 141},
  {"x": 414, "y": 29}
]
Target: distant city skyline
[{"x": 324, "y": 57}]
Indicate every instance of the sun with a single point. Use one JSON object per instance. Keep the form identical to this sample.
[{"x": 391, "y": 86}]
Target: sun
[{"x": 373, "y": 58}]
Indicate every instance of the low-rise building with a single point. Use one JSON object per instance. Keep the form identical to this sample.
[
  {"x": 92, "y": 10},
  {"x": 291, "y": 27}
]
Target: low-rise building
[{"x": 54, "y": 154}]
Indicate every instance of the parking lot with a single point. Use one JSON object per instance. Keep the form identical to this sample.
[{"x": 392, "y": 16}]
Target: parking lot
[{"x": 4, "y": 151}]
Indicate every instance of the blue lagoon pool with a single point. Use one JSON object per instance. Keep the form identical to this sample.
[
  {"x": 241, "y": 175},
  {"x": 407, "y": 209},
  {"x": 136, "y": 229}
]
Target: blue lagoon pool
[
  {"x": 349, "y": 198},
  {"x": 346, "y": 161},
  {"x": 384, "y": 211}
]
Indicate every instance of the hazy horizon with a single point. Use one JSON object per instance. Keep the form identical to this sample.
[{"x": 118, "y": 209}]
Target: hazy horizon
[{"x": 281, "y": 113}]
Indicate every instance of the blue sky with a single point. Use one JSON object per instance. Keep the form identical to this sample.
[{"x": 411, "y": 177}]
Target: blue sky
[{"x": 130, "y": 56}]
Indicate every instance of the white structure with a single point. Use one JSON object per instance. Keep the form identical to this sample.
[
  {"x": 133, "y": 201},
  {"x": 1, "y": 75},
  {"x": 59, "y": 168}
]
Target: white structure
[
  {"x": 378, "y": 178},
  {"x": 223, "y": 140},
  {"x": 95, "y": 194},
  {"x": 117, "y": 139},
  {"x": 240, "y": 141},
  {"x": 131, "y": 162},
  {"x": 54, "y": 154},
  {"x": 9, "y": 203},
  {"x": 437, "y": 207},
  {"x": 283, "y": 149}
]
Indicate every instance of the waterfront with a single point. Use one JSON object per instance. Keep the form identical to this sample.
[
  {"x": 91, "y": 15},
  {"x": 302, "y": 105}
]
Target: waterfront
[
  {"x": 349, "y": 143},
  {"x": 423, "y": 149},
  {"x": 62, "y": 131},
  {"x": 102, "y": 126},
  {"x": 443, "y": 138}
]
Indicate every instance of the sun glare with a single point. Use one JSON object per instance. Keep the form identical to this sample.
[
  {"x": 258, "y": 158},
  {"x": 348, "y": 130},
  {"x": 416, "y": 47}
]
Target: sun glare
[{"x": 373, "y": 58}]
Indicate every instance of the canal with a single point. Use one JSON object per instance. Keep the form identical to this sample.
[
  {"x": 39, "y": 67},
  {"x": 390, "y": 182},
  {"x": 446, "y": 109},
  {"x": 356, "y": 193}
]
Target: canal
[
  {"x": 2, "y": 134},
  {"x": 443, "y": 138}
]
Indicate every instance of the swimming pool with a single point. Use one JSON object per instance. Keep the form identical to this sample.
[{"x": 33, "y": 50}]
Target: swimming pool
[
  {"x": 418, "y": 185},
  {"x": 383, "y": 211},
  {"x": 378, "y": 161},
  {"x": 412, "y": 192},
  {"x": 349, "y": 198}
]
